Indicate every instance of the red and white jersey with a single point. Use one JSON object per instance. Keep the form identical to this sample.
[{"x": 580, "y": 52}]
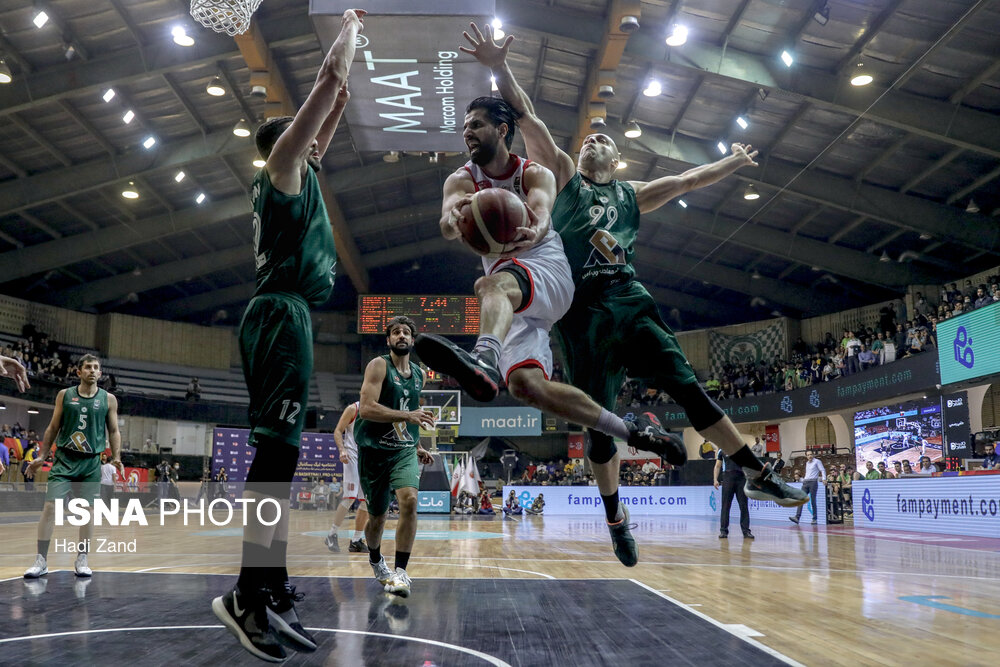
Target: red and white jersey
[
  {"x": 512, "y": 181},
  {"x": 350, "y": 446}
]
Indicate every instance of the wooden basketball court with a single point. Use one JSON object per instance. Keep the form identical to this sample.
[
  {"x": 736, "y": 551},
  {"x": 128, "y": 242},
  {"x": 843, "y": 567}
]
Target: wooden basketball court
[{"x": 526, "y": 591}]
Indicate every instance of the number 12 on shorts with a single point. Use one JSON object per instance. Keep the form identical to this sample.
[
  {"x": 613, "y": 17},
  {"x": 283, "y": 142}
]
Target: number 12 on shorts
[{"x": 296, "y": 407}]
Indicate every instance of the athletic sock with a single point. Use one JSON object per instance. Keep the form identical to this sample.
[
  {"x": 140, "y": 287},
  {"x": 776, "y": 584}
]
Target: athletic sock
[
  {"x": 358, "y": 534},
  {"x": 402, "y": 558},
  {"x": 374, "y": 553},
  {"x": 277, "y": 559},
  {"x": 488, "y": 343},
  {"x": 611, "y": 507},
  {"x": 745, "y": 458},
  {"x": 253, "y": 570},
  {"x": 611, "y": 424},
  {"x": 43, "y": 547}
]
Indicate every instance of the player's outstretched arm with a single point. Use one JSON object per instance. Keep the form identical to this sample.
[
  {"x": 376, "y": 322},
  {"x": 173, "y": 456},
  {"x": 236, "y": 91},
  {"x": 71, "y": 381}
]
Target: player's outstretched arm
[
  {"x": 114, "y": 435},
  {"x": 284, "y": 165},
  {"x": 342, "y": 425},
  {"x": 49, "y": 437},
  {"x": 537, "y": 139},
  {"x": 654, "y": 194},
  {"x": 458, "y": 191}
]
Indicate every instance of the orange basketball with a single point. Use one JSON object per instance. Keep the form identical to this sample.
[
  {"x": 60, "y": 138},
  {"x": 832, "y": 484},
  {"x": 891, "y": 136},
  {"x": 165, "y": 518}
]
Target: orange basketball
[{"x": 489, "y": 222}]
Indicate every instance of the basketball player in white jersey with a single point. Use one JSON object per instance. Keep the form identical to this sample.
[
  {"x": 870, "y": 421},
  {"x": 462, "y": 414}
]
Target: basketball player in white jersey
[
  {"x": 344, "y": 435},
  {"x": 523, "y": 293}
]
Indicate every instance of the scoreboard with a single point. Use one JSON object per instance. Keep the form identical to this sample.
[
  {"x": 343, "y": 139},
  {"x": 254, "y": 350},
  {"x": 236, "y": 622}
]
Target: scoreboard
[{"x": 437, "y": 314}]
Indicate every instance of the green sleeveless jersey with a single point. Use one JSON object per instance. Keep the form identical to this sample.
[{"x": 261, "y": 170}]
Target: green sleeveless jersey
[
  {"x": 84, "y": 422},
  {"x": 598, "y": 223},
  {"x": 292, "y": 240},
  {"x": 398, "y": 393}
]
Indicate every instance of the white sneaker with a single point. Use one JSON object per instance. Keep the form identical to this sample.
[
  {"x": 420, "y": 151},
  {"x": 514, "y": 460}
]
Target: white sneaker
[
  {"x": 382, "y": 572},
  {"x": 399, "y": 584},
  {"x": 38, "y": 569},
  {"x": 81, "y": 567}
]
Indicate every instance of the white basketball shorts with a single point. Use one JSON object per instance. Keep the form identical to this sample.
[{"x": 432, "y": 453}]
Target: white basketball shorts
[{"x": 352, "y": 482}]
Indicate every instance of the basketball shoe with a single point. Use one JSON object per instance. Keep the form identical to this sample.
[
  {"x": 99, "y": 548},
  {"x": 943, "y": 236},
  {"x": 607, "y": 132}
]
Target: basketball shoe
[
  {"x": 478, "y": 374},
  {"x": 81, "y": 568},
  {"x": 248, "y": 622},
  {"x": 622, "y": 541},
  {"x": 646, "y": 434},
  {"x": 38, "y": 569},
  {"x": 282, "y": 617},
  {"x": 358, "y": 546},
  {"x": 332, "y": 543},
  {"x": 382, "y": 572},
  {"x": 399, "y": 584},
  {"x": 768, "y": 485}
]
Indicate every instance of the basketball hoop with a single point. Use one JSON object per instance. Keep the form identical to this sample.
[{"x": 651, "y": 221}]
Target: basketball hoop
[{"x": 229, "y": 16}]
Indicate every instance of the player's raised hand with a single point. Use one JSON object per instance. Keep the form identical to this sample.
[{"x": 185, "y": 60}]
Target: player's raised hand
[
  {"x": 424, "y": 456},
  {"x": 354, "y": 15},
  {"x": 12, "y": 368},
  {"x": 484, "y": 48},
  {"x": 746, "y": 153}
]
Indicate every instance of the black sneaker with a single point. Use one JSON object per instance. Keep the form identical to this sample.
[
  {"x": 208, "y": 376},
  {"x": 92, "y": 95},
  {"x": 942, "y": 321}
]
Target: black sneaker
[
  {"x": 748, "y": 535},
  {"x": 282, "y": 617},
  {"x": 332, "y": 543},
  {"x": 622, "y": 541},
  {"x": 479, "y": 377},
  {"x": 646, "y": 434},
  {"x": 770, "y": 486},
  {"x": 793, "y": 519},
  {"x": 358, "y": 546},
  {"x": 249, "y": 625},
  {"x": 723, "y": 534}
]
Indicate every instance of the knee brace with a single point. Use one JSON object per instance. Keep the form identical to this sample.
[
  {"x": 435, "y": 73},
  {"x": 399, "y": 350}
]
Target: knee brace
[
  {"x": 272, "y": 468},
  {"x": 701, "y": 410},
  {"x": 601, "y": 447}
]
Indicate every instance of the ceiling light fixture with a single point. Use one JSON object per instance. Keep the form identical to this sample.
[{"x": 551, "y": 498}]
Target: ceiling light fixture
[
  {"x": 632, "y": 130},
  {"x": 755, "y": 275},
  {"x": 6, "y": 76},
  {"x": 128, "y": 116},
  {"x": 742, "y": 122},
  {"x": 787, "y": 58},
  {"x": 242, "y": 128},
  {"x": 149, "y": 142},
  {"x": 181, "y": 37},
  {"x": 682, "y": 203},
  {"x": 179, "y": 176},
  {"x": 259, "y": 162},
  {"x": 925, "y": 237},
  {"x": 751, "y": 192},
  {"x": 200, "y": 198},
  {"x": 215, "y": 87},
  {"x": 722, "y": 147},
  {"x": 598, "y": 123},
  {"x": 391, "y": 156},
  {"x": 973, "y": 207},
  {"x": 861, "y": 77},
  {"x": 621, "y": 164},
  {"x": 41, "y": 18},
  {"x": 109, "y": 95},
  {"x": 653, "y": 88},
  {"x": 496, "y": 24},
  {"x": 885, "y": 257},
  {"x": 678, "y": 35},
  {"x": 3, "y": 406},
  {"x": 493, "y": 84},
  {"x": 32, "y": 411},
  {"x": 130, "y": 192},
  {"x": 822, "y": 15}
]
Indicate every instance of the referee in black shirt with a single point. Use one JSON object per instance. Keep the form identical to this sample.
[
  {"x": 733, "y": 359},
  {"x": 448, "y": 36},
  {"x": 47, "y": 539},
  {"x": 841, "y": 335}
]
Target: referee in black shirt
[{"x": 733, "y": 480}]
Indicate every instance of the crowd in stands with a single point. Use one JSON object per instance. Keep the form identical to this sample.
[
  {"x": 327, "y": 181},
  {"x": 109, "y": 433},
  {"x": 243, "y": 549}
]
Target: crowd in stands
[
  {"x": 44, "y": 358},
  {"x": 565, "y": 473}
]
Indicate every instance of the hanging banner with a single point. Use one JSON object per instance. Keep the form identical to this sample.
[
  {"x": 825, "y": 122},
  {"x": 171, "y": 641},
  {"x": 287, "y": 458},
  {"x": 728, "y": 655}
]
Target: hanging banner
[
  {"x": 575, "y": 445},
  {"x": 772, "y": 438},
  {"x": 409, "y": 82},
  {"x": 762, "y": 345}
]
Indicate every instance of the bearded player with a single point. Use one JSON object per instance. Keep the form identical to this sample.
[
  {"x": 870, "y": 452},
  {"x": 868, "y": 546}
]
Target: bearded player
[
  {"x": 523, "y": 293},
  {"x": 613, "y": 326}
]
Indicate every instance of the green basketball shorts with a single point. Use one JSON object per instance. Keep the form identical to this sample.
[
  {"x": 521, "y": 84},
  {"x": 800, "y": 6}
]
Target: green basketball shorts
[
  {"x": 74, "y": 475},
  {"x": 382, "y": 471}
]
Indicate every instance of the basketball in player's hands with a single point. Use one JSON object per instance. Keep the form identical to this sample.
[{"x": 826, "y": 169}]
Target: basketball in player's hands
[{"x": 489, "y": 222}]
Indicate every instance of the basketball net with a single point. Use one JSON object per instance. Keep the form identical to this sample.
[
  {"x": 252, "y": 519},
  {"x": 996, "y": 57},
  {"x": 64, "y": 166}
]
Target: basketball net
[{"x": 229, "y": 16}]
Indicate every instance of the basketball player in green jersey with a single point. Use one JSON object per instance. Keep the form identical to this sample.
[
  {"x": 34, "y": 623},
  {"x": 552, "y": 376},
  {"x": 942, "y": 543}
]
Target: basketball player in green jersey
[
  {"x": 295, "y": 259},
  {"x": 84, "y": 418},
  {"x": 387, "y": 433},
  {"x": 613, "y": 326}
]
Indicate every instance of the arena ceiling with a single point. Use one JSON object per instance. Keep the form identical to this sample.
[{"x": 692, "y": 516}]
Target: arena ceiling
[{"x": 863, "y": 190}]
